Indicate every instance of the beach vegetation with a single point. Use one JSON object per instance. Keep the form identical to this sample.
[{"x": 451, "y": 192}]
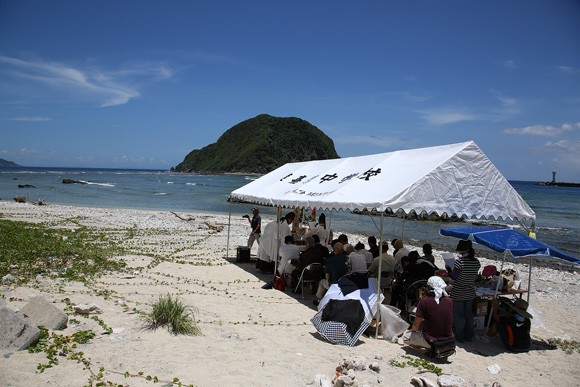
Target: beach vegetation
[
  {"x": 31, "y": 249},
  {"x": 568, "y": 346},
  {"x": 421, "y": 364},
  {"x": 173, "y": 314}
]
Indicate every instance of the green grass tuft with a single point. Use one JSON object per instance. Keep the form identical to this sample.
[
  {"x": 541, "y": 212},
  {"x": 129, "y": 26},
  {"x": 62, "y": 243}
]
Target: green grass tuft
[{"x": 173, "y": 314}]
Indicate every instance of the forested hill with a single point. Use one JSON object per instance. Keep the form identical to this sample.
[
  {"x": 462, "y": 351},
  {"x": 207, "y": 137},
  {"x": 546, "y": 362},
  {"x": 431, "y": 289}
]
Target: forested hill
[
  {"x": 260, "y": 145},
  {"x": 6, "y": 163}
]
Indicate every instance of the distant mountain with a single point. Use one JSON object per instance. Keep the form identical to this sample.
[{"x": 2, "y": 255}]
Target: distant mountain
[
  {"x": 6, "y": 163},
  {"x": 260, "y": 145}
]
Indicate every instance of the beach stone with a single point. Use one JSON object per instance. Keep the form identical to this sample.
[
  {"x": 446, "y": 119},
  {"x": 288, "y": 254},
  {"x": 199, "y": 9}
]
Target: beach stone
[
  {"x": 39, "y": 311},
  {"x": 88, "y": 309},
  {"x": 322, "y": 381},
  {"x": 351, "y": 374},
  {"x": 450, "y": 381},
  {"x": 343, "y": 380},
  {"x": 15, "y": 332},
  {"x": 378, "y": 357},
  {"x": 8, "y": 278},
  {"x": 356, "y": 363},
  {"x": 375, "y": 366}
]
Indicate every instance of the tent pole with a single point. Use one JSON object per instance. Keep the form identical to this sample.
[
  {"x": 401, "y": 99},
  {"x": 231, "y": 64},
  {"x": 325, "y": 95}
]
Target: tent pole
[
  {"x": 277, "y": 243},
  {"x": 496, "y": 290},
  {"x": 375, "y": 223},
  {"x": 403, "y": 231},
  {"x": 530, "y": 280},
  {"x": 229, "y": 222},
  {"x": 378, "y": 319}
]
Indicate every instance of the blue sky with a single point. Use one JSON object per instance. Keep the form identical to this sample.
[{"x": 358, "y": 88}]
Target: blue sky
[{"x": 139, "y": 84}]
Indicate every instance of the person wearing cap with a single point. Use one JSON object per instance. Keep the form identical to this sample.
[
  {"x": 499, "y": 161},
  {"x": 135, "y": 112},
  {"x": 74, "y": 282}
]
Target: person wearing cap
[
  {"x": 513, "y": 324},
  {"x": 436, "y": 310},
  {"x": 462, "y": 293},
  {"x": 256, "y": 224}
]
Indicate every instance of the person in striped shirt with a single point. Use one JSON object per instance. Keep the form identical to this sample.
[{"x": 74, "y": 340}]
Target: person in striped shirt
[{"x": 462, "y": 292}]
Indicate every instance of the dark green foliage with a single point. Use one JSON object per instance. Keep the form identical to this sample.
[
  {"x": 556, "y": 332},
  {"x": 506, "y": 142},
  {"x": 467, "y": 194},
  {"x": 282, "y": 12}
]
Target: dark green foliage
[
  {"x": 6, "y": 163},
  {"x": 260, "y": 145},
  {"x": 30, "y": 249}
]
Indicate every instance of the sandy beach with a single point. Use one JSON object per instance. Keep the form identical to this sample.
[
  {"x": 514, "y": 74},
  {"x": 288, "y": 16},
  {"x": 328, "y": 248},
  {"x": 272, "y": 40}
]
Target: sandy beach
[{"x": 250, "y": 336}]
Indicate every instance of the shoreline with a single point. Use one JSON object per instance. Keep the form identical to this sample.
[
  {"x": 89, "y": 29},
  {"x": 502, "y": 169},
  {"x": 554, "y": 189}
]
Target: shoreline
[{"x": 250, "y": 336}]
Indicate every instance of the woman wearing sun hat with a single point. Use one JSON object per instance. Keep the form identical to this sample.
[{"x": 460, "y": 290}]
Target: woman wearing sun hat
[{"x": 462, "y": 292}]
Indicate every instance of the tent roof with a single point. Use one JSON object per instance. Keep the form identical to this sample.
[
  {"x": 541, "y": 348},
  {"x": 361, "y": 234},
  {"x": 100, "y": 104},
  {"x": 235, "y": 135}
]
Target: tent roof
[
  {"x": 500, "y": 240},
  {"x": 454, "y": 179}
]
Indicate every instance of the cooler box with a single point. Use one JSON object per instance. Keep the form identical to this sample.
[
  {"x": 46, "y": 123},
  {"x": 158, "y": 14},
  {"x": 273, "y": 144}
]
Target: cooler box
[{"x": 243, "y": 254}]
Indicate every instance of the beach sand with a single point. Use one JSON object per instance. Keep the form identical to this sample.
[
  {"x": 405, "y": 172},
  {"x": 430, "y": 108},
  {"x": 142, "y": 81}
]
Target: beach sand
[{"x": 250, "y": 336}]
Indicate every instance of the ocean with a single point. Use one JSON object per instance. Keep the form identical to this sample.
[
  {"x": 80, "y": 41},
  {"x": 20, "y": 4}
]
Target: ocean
[{"x": 557, "y": 208}]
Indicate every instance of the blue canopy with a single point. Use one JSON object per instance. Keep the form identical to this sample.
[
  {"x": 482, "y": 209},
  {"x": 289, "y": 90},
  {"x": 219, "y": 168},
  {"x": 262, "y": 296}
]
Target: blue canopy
[{"x": 500, "y": 240}]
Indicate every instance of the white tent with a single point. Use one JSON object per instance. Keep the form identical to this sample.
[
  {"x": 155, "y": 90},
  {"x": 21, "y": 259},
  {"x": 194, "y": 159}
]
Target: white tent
[{"x": 453, "y": 179}]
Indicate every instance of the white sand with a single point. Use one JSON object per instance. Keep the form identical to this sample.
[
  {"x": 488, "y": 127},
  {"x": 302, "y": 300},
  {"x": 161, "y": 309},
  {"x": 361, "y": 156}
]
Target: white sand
[{"x": 251, "y": 336}]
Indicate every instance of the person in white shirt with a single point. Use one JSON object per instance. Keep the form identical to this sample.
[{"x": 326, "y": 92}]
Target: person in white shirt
[
  {"x": 270, "y": 242},
  {"x": 324, "y": 234},
  {"x": 401, "y": 252},
  {"x": 360, "y": 249},
  {"x": 288, "y": 251},
  {"x": 357, "y": 262}
]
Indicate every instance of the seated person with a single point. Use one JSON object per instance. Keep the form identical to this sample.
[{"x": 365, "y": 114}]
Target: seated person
[
  {"x": 288, "y": 251},
  {"x": 356, "y": 261},
  {"x": 320, "y": 247},
  {"x": 335, "y": 268},
  {"x": 360, "y": 249},
  {"x": 421, "y": 267},
  {"x": 308, "y": 256},
  {"x": 513, "y": 324},
  {"x": 436, "y": 310},
  {"x": 387, "y": 263}
]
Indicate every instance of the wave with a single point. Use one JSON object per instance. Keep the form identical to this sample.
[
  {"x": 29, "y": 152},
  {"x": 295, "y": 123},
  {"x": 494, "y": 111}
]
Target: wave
[
  {"x": 101, "y": 184},
  {"x": 161, "y": 194},
  {"x": 170, "y": 182}
]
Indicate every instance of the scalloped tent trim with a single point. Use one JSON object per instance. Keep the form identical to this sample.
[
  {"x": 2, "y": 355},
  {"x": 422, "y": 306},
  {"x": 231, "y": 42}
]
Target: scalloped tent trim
[{"x": 452, "y": 179}]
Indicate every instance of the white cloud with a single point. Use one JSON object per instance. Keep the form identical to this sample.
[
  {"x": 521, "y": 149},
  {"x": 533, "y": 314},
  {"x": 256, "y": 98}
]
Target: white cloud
[
  {"x": 568, "y": 70},
  {"x": 31, "y": 119},
  {"x": 509, "y": 64},
  {"x": 543, "y": 130},
  {"x": 448, "y": 116},
  {"x": 565, "y": 152},
  {"x": 108, "y": 88}
]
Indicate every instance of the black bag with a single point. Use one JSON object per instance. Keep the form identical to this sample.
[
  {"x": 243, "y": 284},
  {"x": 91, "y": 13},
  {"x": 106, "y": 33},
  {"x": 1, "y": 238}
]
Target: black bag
[
  {"x": 243, "y": 254},
  {"x": 442, "y": 349}
]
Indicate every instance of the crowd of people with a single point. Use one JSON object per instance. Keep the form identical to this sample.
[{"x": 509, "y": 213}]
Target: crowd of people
[{"x": 444, "y": 314}]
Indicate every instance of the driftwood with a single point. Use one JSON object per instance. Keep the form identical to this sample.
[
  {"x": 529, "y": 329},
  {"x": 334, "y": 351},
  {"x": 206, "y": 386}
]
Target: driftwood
[
  {"x": 182, "y": 218},
  {"x": 214, "y": 227},
  {"x": 40, "y": 201},
  {"x": 20, "y": 199}
]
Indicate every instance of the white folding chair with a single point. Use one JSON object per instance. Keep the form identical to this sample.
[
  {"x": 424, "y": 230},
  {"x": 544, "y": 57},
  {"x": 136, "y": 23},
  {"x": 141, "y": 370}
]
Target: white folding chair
[{"x": 301, "y": 280}]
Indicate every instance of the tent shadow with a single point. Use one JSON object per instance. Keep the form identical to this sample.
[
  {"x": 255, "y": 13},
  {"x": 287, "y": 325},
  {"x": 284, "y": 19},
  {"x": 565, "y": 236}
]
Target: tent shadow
[
  {"x": 250, "y": 268},
  {"x": 422, "y": 354},
  {"x": 318, "y": 336}
]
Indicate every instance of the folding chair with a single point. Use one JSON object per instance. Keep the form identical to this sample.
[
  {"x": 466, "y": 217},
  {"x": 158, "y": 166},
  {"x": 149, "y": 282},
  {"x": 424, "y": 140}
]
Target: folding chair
[
  {"x": 301, "y": 280},
  {"x": 412, "y": 295}
]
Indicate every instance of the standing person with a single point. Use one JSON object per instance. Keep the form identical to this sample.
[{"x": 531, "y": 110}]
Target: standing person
[
  {"x": 428, "y": 253},
  {"x": 324, "y": 235},
  {"x": 270, "y": 242},
  {"x": 256, "y": 224},
  {"x": 462, "y": 292}
]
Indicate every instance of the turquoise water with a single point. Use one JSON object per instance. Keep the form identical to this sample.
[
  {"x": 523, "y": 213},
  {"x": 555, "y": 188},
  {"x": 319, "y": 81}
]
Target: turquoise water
[{"x": 557, "y": 208}]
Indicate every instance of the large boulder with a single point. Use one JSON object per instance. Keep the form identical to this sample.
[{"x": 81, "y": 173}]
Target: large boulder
[
  {"x": 15, "y": 332},
  {"x": 40, "y": 311}
]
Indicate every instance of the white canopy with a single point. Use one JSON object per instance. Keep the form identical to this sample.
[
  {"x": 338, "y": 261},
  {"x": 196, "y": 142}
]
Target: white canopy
[{"x": 454, "y": 179}]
